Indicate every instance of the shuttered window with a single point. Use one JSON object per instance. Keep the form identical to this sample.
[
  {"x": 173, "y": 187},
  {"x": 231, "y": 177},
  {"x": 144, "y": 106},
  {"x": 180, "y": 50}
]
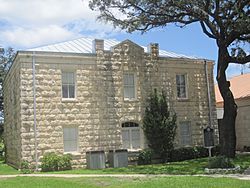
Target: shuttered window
[
  {"x": 68, "y": 85},
  {"x": 70, "y": 139},
  {"x": 185, "y": 133},
  {"x": 130, "y": 135},
  {"x": 181, "y": 86},
  {"x": 129, "y": 85}
]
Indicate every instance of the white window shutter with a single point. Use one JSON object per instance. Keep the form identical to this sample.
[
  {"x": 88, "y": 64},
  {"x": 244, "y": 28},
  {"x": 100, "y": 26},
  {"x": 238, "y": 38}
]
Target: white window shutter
[
  {"x": 70, "y": 139},
  {"x": 185, "y": 133},
  {"x": 135, "y": 135},
  {"x": 129, "y": 85}
]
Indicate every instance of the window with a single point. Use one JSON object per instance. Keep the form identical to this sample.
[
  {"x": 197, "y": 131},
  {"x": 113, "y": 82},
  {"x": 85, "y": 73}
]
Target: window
[
  {"x": 185, "y": 133},
  {"x": 68, "y": 85},
  {"x": 130, "y": 135},
  {"x": 129, "y": 85},
  {"x": 181, "y": 86},
  {"x": 70, "y": 137}
]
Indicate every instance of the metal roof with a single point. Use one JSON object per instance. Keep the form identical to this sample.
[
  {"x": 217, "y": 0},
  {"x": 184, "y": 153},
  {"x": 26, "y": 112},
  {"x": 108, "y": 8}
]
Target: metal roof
[{"x": 84, "y": 45}]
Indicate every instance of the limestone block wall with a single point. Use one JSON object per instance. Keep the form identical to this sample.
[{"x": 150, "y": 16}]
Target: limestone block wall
[
  {"x": 99, "y": 108},
  {"x": 92, "y": 111},
  {"x": 242, "y": 123},
  {"x": 195, "y": 109},
  {"x": 12, "y": 116}
]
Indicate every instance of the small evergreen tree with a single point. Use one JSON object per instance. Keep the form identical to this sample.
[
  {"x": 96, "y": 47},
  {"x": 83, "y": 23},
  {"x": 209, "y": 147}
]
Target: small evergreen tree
[{"x": 159, "y": 125}]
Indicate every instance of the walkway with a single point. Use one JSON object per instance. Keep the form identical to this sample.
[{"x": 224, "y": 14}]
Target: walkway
[{"x": 236, "y": 176}]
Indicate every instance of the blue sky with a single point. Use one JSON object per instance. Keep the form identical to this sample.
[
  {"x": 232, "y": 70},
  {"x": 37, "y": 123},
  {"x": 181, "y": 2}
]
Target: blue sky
[{"x": 31, "y": 23}]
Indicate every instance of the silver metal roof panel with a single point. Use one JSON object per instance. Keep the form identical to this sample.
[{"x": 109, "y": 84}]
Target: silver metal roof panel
[{"x": 84, "y": 45}]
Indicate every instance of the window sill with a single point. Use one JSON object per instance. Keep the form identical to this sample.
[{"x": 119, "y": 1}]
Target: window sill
[
  {"x": 134, "y": 150},
  {"x": 69, "y": 100},
  {"x": 182, "y": 99},
  {"x": 130, "y": 100},
  {"x": 185, "y": 146},
  {"x": 74, "y": 153}
]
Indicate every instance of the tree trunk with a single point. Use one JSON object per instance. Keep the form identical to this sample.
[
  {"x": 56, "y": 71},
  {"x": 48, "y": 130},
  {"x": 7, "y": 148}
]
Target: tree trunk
[{"x": 228, "y": 135}]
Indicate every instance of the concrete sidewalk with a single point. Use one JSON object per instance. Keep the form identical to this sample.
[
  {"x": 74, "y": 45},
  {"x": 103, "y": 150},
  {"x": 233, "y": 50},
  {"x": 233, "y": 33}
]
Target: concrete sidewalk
[{"x": 236, "y": 176}]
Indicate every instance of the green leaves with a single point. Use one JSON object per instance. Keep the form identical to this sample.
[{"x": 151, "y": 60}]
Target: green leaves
[
  {"x": 53, "y": 162},
  {"x": 159, "y": 125},
  {"x": 228, "y": 21}
]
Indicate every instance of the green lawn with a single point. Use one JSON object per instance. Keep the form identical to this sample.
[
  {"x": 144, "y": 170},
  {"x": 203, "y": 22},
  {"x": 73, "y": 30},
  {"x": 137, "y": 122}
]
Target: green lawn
[
  {"x": 149, "y": 182},
  {"x": 186, "y": 167},
  {"x": 189, "y": 167},
  {"x": 6, "y": 169}
]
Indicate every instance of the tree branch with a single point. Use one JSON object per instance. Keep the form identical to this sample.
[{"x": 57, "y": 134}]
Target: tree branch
[
  {"x": 204, "y": 29},
  {"x": 239, "y": 60}
]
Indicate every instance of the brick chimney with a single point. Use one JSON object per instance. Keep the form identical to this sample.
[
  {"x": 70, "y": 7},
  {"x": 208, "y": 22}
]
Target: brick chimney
[
  {"x": 153, "y": 49},
  {"x": 97, "y": 44}
]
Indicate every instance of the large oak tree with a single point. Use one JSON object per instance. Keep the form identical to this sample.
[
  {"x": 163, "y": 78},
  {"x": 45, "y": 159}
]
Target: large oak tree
[
  {"x": 225, "y": 21},
  {"x": 6, "y": 59}
]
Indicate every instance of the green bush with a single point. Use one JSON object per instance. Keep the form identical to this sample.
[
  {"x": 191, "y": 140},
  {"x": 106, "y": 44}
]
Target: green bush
[
  {"x": 181, "y": 154},
  {"x": 246, "y": 148},
  {"x": 54, "y": 162},
  {"x": 220, "y": 162},
  {"x": 187, "y": 153},
  {"x": 145, "y": 157},
  {"x": 25, "y": 167},
  {"x": 216, "y": 150},
  {"x": 200, "y": 152},
  {"x": 1, "y": 148},
  {"x": 64, "y": 162}
]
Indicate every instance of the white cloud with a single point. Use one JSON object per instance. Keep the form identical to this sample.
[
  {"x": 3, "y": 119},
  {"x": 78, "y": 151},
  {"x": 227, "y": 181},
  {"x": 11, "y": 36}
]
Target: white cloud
[
  {"x": 30, "y": 37},
  {"x": 37, "y": 12},
  {"x": 30, "y": 23}
]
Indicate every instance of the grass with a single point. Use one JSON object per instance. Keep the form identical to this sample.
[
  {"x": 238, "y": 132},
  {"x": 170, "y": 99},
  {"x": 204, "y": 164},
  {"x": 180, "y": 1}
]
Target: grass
[
  {"x": 186, "y": 167},
  {"x": 242, "y": 160},
  {"x": 195, "y": 166},
  {"x": 6, "y": 169},
  {"x": 190, "y": 167},
  {"x": 148, "y": 182}
]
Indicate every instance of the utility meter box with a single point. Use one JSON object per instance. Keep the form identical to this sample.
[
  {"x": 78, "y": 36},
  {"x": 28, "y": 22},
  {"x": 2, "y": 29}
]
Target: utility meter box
[
  {"x": 95, "y": 159},
  {"x": 118, "y": 158}
]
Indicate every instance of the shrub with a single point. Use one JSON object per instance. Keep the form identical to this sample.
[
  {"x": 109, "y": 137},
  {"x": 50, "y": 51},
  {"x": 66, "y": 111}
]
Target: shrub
[
  {"x": 145, "y": 157},
  {"x": 25, "y": 167},
  {"x": 49, "y": 162},
  {"x": 1, "y": 148},
  {"x": 187, "y": 153},
  {"x": 216, "y": 150},
  {"x": 64, "y": 162},
  {"x": 246, "y": 148},
  {"x": 181, "y": 154},
  {"x": 220, "y": 162},
  {"x": 201, "y": 152},
  {"x": 54, "y": 162},
  {"x": 159, "y": 125}
]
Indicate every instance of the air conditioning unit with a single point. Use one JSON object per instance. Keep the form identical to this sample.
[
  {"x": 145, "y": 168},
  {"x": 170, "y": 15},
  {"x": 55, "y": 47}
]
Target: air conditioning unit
[
  {"x": 118, "y": 158},
  {"x": 95, "y": 159}
]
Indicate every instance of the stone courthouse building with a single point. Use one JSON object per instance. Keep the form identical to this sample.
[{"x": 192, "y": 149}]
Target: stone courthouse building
[{"x": 87, "y": 94}]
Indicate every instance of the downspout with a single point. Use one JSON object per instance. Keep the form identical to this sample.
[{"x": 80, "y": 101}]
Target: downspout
[
  {"x": 34, "y": 104},
  {"x": 208, "y": 94}
]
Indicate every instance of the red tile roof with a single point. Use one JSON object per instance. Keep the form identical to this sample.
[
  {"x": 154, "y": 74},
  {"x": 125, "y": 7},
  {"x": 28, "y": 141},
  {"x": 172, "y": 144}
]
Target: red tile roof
[{"x": 240, "y": 86}]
